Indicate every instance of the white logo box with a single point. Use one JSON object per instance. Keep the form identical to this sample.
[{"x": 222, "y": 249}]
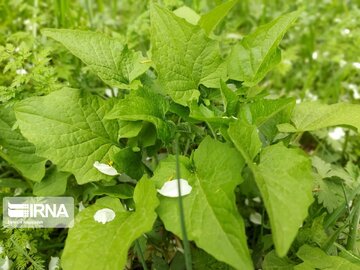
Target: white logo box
[{"x": 38, "y": 212}]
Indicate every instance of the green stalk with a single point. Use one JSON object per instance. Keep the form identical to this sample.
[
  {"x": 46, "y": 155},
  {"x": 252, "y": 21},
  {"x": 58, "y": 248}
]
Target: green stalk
[
  {"x": 140, "y": 254},
  {"x": 187, "y": 253},
  {"x": 351, "y": 241}
]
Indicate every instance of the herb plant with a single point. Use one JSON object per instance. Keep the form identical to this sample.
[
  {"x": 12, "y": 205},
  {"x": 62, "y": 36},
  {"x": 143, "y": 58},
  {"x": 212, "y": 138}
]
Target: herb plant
[{"x": 262, "y": 193}]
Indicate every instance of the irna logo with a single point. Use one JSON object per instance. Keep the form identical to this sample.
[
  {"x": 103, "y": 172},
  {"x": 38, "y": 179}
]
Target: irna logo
[
  {"x": 33, "y": 210},
  {"x": 38, "y": 212}
]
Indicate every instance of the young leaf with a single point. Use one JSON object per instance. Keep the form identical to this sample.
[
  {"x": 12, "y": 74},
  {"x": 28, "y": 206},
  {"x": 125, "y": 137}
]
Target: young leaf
[
  {"x": 211, "y": 19},
  {"x": 184, "y": 56},
  {"x": 93, "y": 245},
  {"x": 115, "y": 64},
  {"x": 266, "y": 114},
  {"x": 16, "y": 150},
  {"x": 281, "y": 174},
  {"x": 144, "y": 105},
  {"x": 309, "y": 116},
  {"x": 246, "y": 139},
  {"x": 67, "y": 127},
  {"x": 315, "y": 258},
  {"x": 258, "y": 53},
  {"x": 230, "y": 99},
  {"x": 53, "y": 184},
  {"x": 211, "y": 216}
]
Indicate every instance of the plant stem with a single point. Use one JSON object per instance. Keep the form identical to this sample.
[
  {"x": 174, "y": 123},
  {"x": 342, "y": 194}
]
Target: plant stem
[
  {"x": 187, "y": 253},
  {"x": 140, "y": 254},
  {"x": 350, "y": 245}
]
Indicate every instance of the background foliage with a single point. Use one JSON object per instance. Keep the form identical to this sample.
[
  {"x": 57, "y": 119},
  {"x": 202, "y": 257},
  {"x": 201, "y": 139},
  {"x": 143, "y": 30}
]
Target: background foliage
[{"x": 131, "y": 108}]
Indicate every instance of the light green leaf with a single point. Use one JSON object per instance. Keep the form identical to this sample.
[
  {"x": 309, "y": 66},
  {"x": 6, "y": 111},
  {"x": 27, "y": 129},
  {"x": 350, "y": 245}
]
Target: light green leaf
[
  {"x": 266, "y": 114},
  {"x": 53, "y": 184},
  {"x": 114, "y": 63},
  {"x": 258, "y": 53},
  {"x": 246, "y": 139},
  {"x": 144, "y": 105},
  {"x": 92, "y": 245},
  {"x": 129, "y": 162},
  {"x": 184, "y": 56},
  {"x": 281, "y": 174},
  {"x": 318, "y": 259},
  {"x": 230, "y": 99},
  {"x": 309, "y": 116},
  {"x": 211, "y": 19},
  {"x": 67, "y": 127},
  {"x": 188, "y": 14},
  {"x": 211, "y": 216},
  {"x": 16, "y": 150},
  {"x": 273, "y": 262}
]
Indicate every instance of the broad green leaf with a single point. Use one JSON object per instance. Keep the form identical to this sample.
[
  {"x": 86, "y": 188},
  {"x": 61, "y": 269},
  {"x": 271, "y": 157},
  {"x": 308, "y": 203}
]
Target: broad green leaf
[
  {"x": 246, "y": 139},
  {"x": 184, "y": 56},
  {"x": 129, "y": 162},
  {"x": 309, "y": 116},
  {"x": 266, "y": 114},
  {"x": 121, "y": 191},
  {"x": 203, "y": 113},
  {"x": 258, "y": 53},
  {"x": 211, "y": 216},
  {"x": 144, "y": 105},
  {"x": 92, "y": 245},
  {"x": 114, "y": 63},
  {"x": 273, "y": 262},
  {"x": 129, "y": 129},
  {"x": 13, "y": 183},
  {"x": 67, "y": 127},
  {"x": 16, "y": 150},
  {"x": 53, "y": 184},
  {"x": 211, "y": 19},
  {"x": 281, "y": 174},
  {"x": 230, "y": 99},
  {"x": 315, "y": 258}
]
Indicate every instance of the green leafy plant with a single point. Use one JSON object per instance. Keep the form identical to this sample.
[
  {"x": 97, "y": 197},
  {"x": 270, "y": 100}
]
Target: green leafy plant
[{"x": 187, "y": 108}]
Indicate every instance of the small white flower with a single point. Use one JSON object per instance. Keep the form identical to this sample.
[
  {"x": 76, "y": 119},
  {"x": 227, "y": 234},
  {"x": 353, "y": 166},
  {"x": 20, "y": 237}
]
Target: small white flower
[
  {"x": 315, "y": 55},
  {"x": 356, "y": 94},
  {"x": 54, "y": 263},
  {"x": 170, "y": 188},
  {"x": 298, "y": 100},
  {"x": 6, "y": 265},
  {"x": 21, "y": 71},
  {"x": 345, "y": 31},
  {"x": 356, "y": 65},
  {"x": 81, "y": 206},
  {"x": 17, "y": 49},
  {"x": 337, "y": 133},
  {"x": 255, "y": 218},
  {"x": 104, "y": 215},
  {"x": 342, "y": 63},
  {"x": 111, "y": 92},
  {"x": 105, "y": 168},
  {"x": 311, "y": 96}
]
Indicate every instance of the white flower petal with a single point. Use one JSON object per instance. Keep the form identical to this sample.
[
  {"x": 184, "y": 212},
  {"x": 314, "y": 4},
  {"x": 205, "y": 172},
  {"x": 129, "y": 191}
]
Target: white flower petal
[
  {"x": 6, "y": 265},
  {"x": 345, "y": 32},
  {"x": 356, "y": 65},
  {"x": 337, "y": 133},
  {"x": 21, "y": 71},
  {"x": 104, "y": 215},
  {"x": 54, "y": 263},
  {"x": 315, "y": 55},
  {"x": 255, "y": 218},
  {"x": 105, "y": 168},
  {"x": 81, "y": 206},
  {"x": 170, "y": 188}
]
